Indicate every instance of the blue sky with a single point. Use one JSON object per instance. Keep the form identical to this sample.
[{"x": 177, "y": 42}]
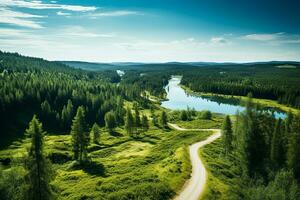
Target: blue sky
[{"x": 152, "y": 30}]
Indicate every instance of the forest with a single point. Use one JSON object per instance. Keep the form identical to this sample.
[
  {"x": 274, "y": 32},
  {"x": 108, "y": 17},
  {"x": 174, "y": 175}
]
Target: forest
[{"x": 72, "y": 133}]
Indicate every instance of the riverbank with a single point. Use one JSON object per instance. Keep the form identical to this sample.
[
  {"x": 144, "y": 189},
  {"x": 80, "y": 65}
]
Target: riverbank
[{"x": 264, "y": 103}]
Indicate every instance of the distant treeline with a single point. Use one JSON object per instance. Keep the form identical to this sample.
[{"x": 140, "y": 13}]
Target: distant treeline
[{"x": 262, "y": 80}]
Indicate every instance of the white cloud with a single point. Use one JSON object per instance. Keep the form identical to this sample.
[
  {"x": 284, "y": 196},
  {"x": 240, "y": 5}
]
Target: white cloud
[
  {"x": 117, "y": 13},
  {"x": 263, "y": 37},
  {"x": 60, "y": 13},
  {"x": 11, "y": 33},
  {"x": 79, "y": 31},
  {"x": 218, "y": 40},
  {"x": 274, "y": 38},
  {"x": 18, "y": 18},
  {"x": 41, "y": 5}
]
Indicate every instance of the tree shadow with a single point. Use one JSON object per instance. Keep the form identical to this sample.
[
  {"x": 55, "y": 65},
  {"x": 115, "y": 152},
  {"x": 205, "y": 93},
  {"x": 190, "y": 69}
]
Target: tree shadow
[
  {"x": 116, "y": 134},
  {"x": 93, "y": 168},
  {"x": 89, "y": 166}
]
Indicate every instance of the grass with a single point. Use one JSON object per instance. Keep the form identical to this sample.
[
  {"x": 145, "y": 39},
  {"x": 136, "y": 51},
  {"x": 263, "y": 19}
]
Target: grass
[
  {"x": 196, "y": 122},
  {"x": 223, "y": 175},
  {"x": 153, "y": 166}
]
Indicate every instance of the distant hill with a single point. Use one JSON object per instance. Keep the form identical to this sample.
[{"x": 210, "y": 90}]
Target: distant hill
[{"x": 93, "y": 66}]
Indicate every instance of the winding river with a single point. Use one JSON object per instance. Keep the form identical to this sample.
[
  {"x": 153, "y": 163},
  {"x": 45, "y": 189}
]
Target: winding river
[{"x": 178, "y": 99}]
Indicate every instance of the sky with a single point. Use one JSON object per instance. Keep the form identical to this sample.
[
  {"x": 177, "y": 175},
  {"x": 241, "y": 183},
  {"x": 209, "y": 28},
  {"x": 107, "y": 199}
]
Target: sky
[{"x": 152, "y": 30}]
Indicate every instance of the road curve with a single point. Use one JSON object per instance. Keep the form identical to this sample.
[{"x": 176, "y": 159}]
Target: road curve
[{"x": 194, "y": 187}]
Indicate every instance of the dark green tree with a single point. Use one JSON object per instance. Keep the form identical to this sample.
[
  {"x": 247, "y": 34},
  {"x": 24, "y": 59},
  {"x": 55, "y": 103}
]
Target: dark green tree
[
  {"x": 227, "y": 135},
  {"x": 80, "y": 135},
  {"x": 293, "y": 156},
  {"x": 39, "y": 168},
  {"x": 163, "y": 119},
  {"x": 129, "y": 122},
  {"x": 277, "y": 153},
  {"x": 110, "y": 121},
  {"x": 145, "y": 123},
  {"x": 95, "y": 133},
  {"x": 183, "y": 115},
  {"x": 137, "y": 118}
]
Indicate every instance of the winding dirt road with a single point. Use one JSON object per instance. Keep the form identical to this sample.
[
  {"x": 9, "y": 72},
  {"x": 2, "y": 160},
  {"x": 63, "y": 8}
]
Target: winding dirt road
[{"x": 194, "y": 187}]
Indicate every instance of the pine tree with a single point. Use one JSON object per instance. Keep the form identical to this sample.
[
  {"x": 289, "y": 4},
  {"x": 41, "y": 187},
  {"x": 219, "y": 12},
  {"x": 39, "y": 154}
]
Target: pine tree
[
  {"x": 137, "y": 119},
  {"x": 145, "y": 123},
  {"x": 163, "y": 119},
  {"x": 110, "y": 121},
  {"x": 129, "y": 122},
  {"x": 227, "y": 135},
  {"x": 80, "y": 135},
  {"x": 276, "y": 154},
  {"x": 39, "y": 169},
  {"x": 183, "y": 115},
  {"x": 95, "y": 133},
  {"x": 293, "y": 154}
]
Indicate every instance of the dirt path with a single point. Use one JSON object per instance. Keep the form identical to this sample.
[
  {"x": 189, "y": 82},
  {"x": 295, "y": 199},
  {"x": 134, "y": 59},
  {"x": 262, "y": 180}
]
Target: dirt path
[{"x": 194, "y": 187}]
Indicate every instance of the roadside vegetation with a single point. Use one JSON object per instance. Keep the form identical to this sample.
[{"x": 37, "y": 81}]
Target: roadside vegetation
[{"x": 256, "y": 158}]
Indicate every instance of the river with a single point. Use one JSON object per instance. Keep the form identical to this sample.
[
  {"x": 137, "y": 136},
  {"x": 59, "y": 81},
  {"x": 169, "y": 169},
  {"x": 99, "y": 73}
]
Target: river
[{"x": 178, "y": 99}]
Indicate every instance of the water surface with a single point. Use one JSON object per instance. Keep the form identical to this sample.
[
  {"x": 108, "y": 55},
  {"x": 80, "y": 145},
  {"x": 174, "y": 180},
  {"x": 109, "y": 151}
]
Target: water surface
[{"x": 178, "y": 99}]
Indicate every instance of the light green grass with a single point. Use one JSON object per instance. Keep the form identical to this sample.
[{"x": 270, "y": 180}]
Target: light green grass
[
  {"x": 222, "y": 182},
  {"x": 153, "y": 166}
]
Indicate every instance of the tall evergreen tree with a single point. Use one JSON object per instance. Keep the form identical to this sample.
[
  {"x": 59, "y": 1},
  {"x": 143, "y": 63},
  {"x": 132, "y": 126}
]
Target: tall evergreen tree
[
  {"x": 80, "y": 135},
  {"x": 145, "y": 123},
  {"x": 129, "y": 122},
  {"x": 276, "y": 155},
  {"x": 227, "y": 135},
  {"x": 95, "y": 133},
  {"x": 110, "y": 121},
  {"x": 293, "y": 156},
  {"x": 39, "y": 169},
  {"x": 137, "y": 118},
  {"x": 163, "y": 119}
]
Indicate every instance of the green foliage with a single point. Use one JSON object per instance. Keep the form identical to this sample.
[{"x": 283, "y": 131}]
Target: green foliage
[
  {"x": 293, "y": 157},
  {"x": 227, "y": 135},
  {"x": 206, "y": 114},
  {"x": 163, "y": 119},
  {"x": 184, "y": 115},
  {"x": 95, "y": 133},
  {"x": 284, "y": 186},
  {"x": 265, "y": 81},
  {"x": 13, "y": 184},
  {"x": 129, "y": 122},
  {"x": 277, "y": 146},
  {"x": 110, "y": 121},
  {"x": 80, "y": 135},
  {"x": 39, "y": 169},
  {"x": 145, "y": 123}
]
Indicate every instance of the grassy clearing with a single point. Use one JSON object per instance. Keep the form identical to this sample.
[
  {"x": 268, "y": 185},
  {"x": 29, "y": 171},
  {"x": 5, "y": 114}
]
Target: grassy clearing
[
  {"x": 223, "y": 175},
  {"x": 196, "y": 122},
  {"x": 153, "y": 166}
]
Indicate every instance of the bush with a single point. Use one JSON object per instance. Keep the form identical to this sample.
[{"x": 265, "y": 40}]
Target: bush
[{"x": 206, "y": 115}]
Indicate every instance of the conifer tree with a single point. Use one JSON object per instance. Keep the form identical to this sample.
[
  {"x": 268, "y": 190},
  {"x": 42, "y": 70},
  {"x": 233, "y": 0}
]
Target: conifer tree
[
  {"x": 80, "y": 135},
  {"x": 276, "y": 154},
  {"x": 95, "y": 133},
  {"x": 293, "y": 156},
  {"x": 163, "y": 119},
  {"x": 183, "y": 115},
  {"x": 110, "y": 121},
  {"x": 137, "y": 119},
  {"x": 39, "y": 169},
  {"x": 227, "y": 135},
  {"x": 145, "y": 123},
  {"x": 129, "y": 122}
]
